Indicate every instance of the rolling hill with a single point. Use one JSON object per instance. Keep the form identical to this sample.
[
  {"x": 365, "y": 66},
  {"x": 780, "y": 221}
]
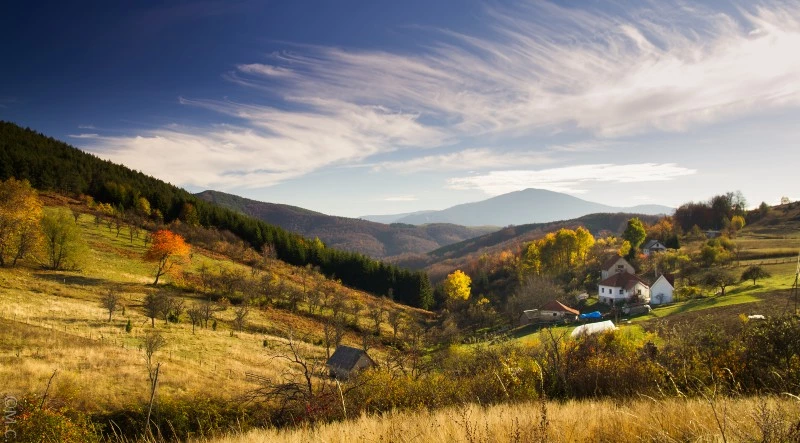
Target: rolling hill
[
  {"x": 377, "y": 240},
  {"x": 52, "y": 165},
  {"x": 521, "y": 207},
  {"x": 512, "y": 236}
]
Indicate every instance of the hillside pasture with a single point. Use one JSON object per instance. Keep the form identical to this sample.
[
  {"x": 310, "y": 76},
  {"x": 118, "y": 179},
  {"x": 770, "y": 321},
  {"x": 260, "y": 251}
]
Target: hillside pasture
[{"x": 52, "y": 321}]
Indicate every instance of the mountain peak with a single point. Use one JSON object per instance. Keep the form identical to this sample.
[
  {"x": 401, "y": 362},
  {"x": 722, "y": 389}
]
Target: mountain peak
[{"x": 530, "y": 205}]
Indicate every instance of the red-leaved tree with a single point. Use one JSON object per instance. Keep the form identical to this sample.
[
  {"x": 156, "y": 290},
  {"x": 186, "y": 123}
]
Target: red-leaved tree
[{"x": 166, "y": 249}]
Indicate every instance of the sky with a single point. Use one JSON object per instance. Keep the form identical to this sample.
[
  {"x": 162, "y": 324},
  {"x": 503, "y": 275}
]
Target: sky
[{"x": 376, "y": 107}]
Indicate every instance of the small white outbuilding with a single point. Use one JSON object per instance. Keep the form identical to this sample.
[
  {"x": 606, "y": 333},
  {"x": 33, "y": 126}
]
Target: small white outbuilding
[
  {"x": 593, "y": 328},
  {"x": 661, "y": 290}
]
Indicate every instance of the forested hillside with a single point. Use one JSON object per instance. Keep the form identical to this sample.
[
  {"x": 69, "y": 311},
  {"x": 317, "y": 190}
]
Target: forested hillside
[
  {"x": 49, "y": 164},
  {"x": 511, "y": 238},
  {"x": 377, "y": 240}
]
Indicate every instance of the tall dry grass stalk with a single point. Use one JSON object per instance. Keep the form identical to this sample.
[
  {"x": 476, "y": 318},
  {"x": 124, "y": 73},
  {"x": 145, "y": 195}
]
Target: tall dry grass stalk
[{"x": 669, "y": 420}]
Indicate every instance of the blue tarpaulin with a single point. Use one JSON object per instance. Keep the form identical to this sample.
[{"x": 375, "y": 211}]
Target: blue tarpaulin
[{"x": 595, "y": 314}]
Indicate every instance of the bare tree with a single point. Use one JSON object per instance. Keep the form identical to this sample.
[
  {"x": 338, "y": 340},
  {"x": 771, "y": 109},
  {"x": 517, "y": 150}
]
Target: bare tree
[
  {"x": 205, "y": 277},
  {"x": 268, "y": 252},
  {"x": 293, "y": 298},
  {"x": 153, "y": 305},
  {"x": 229, "y": 281},
  {"x": 337, "y": 304},
  {"x": 195, "y": 313},
  {"x": 327, "y": 329},
  {"x": 207, "y": 311},
  {"x": 355, "y": 308},
  {"x": 151, "y": 343},
  {"x": 170, "y": 306},
  {"x": 338, "y": 331},
  {"x": 314, "y": 299},
  {"x": 110, "y": 301},
  {"x": 133, "y": 230},
  {"x": 240, "y": 316},
  {"x": 177, "y": 307},
  {"x": 118, "y": 225},
  {"x": 395, "y": 318},
  {"x": 376, "y": 314},
  {"x": 303, "y": 384}
]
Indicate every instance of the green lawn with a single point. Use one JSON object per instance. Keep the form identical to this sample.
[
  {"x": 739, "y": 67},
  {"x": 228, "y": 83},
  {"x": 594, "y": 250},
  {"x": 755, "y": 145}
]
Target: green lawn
[{"x": 730, "y": 298}]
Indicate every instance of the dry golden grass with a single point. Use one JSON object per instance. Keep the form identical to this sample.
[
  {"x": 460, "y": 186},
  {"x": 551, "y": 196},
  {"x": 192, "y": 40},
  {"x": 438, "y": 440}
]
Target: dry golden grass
[
  {"x": 671, "y": 420},
  {"x": 53, "y": 321}
]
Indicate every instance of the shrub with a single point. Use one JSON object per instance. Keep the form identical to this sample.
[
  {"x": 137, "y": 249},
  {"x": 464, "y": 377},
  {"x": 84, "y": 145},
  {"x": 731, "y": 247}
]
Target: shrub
[{"x": 37, "y": 422}]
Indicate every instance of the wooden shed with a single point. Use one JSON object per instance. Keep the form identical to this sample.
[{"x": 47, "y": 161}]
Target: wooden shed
[{"x": 346, "y": 361}]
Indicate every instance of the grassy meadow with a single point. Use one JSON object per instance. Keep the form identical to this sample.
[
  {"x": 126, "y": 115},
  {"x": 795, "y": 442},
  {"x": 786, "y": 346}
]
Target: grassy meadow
[
  {"x": 53, "y": 322},
  {"x": 644, "y": 419}
]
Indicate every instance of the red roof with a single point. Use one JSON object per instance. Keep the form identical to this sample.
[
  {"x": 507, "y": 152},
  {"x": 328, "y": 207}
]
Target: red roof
[
  {"x": 555, "y": 305},
  {"x": 622, "y": 280}
]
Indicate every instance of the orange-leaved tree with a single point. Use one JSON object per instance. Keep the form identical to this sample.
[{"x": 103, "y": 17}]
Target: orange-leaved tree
[{"x": 166, "y": 248}]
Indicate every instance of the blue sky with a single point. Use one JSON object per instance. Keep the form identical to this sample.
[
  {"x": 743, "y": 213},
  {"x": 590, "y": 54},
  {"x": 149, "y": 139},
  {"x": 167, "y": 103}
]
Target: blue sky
[{"x": 354, "y": 108}]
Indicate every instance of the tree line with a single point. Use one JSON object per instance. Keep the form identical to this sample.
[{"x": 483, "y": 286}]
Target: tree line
[{"x": 49, "y": 164}]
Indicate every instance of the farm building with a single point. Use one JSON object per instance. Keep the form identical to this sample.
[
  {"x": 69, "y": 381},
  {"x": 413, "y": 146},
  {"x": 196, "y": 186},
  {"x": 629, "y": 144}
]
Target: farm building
[
  {"x": 661, "y": 290},
  {"x": 555, "y": 310},
  {"x": 550, "y": 312},
  {"x": 346, "y": 361}
]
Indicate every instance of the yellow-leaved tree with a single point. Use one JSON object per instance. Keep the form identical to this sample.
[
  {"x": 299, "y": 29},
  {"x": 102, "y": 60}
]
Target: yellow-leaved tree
[
  {"x": 457, "y": 286},
  {"x": 20, "y": 212},
  {"x": 166, "y": 249}
]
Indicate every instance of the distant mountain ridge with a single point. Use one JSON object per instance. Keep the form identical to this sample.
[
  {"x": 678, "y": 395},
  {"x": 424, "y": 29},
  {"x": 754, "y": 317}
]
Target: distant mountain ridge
[
  {"x": 392, "y": 218},
  {"x": 518, "y": 208},
  {"x": 374, "y": 239}
]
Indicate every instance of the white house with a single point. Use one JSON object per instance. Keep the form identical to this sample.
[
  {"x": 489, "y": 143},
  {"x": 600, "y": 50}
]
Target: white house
[
  {"x": 653, "y": 246},
  {"x": 614, "y": 265},
  {"x": 621, "y": 287},
  {"x": 661, "y": 291}
]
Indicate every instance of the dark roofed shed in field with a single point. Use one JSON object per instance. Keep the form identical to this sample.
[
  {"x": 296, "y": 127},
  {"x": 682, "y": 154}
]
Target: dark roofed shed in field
[{"x": 347, "y": 360}]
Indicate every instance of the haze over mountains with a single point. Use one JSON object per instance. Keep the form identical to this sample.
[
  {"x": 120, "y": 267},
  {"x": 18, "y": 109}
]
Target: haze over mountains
[
  {"x": 517, "y": 208},
  {"x": 377, "y": 240}
]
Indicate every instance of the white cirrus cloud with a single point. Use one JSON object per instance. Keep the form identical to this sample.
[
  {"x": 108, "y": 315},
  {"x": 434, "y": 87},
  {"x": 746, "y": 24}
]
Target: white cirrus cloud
[
  {"x": 664, "y": 67},
  {"x": 466, "y": 160},
  {"x": 536, "y": 68},
  {"x": 273, "y": 146},
  {"x": 568, "y": 179}
]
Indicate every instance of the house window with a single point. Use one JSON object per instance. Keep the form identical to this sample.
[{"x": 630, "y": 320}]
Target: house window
[
  {"x": 555, "y": 314},
  {"x": 621, "y": 291},
  {"x": 602, "y": 290},
  {"x": 638, "y": 292}
]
